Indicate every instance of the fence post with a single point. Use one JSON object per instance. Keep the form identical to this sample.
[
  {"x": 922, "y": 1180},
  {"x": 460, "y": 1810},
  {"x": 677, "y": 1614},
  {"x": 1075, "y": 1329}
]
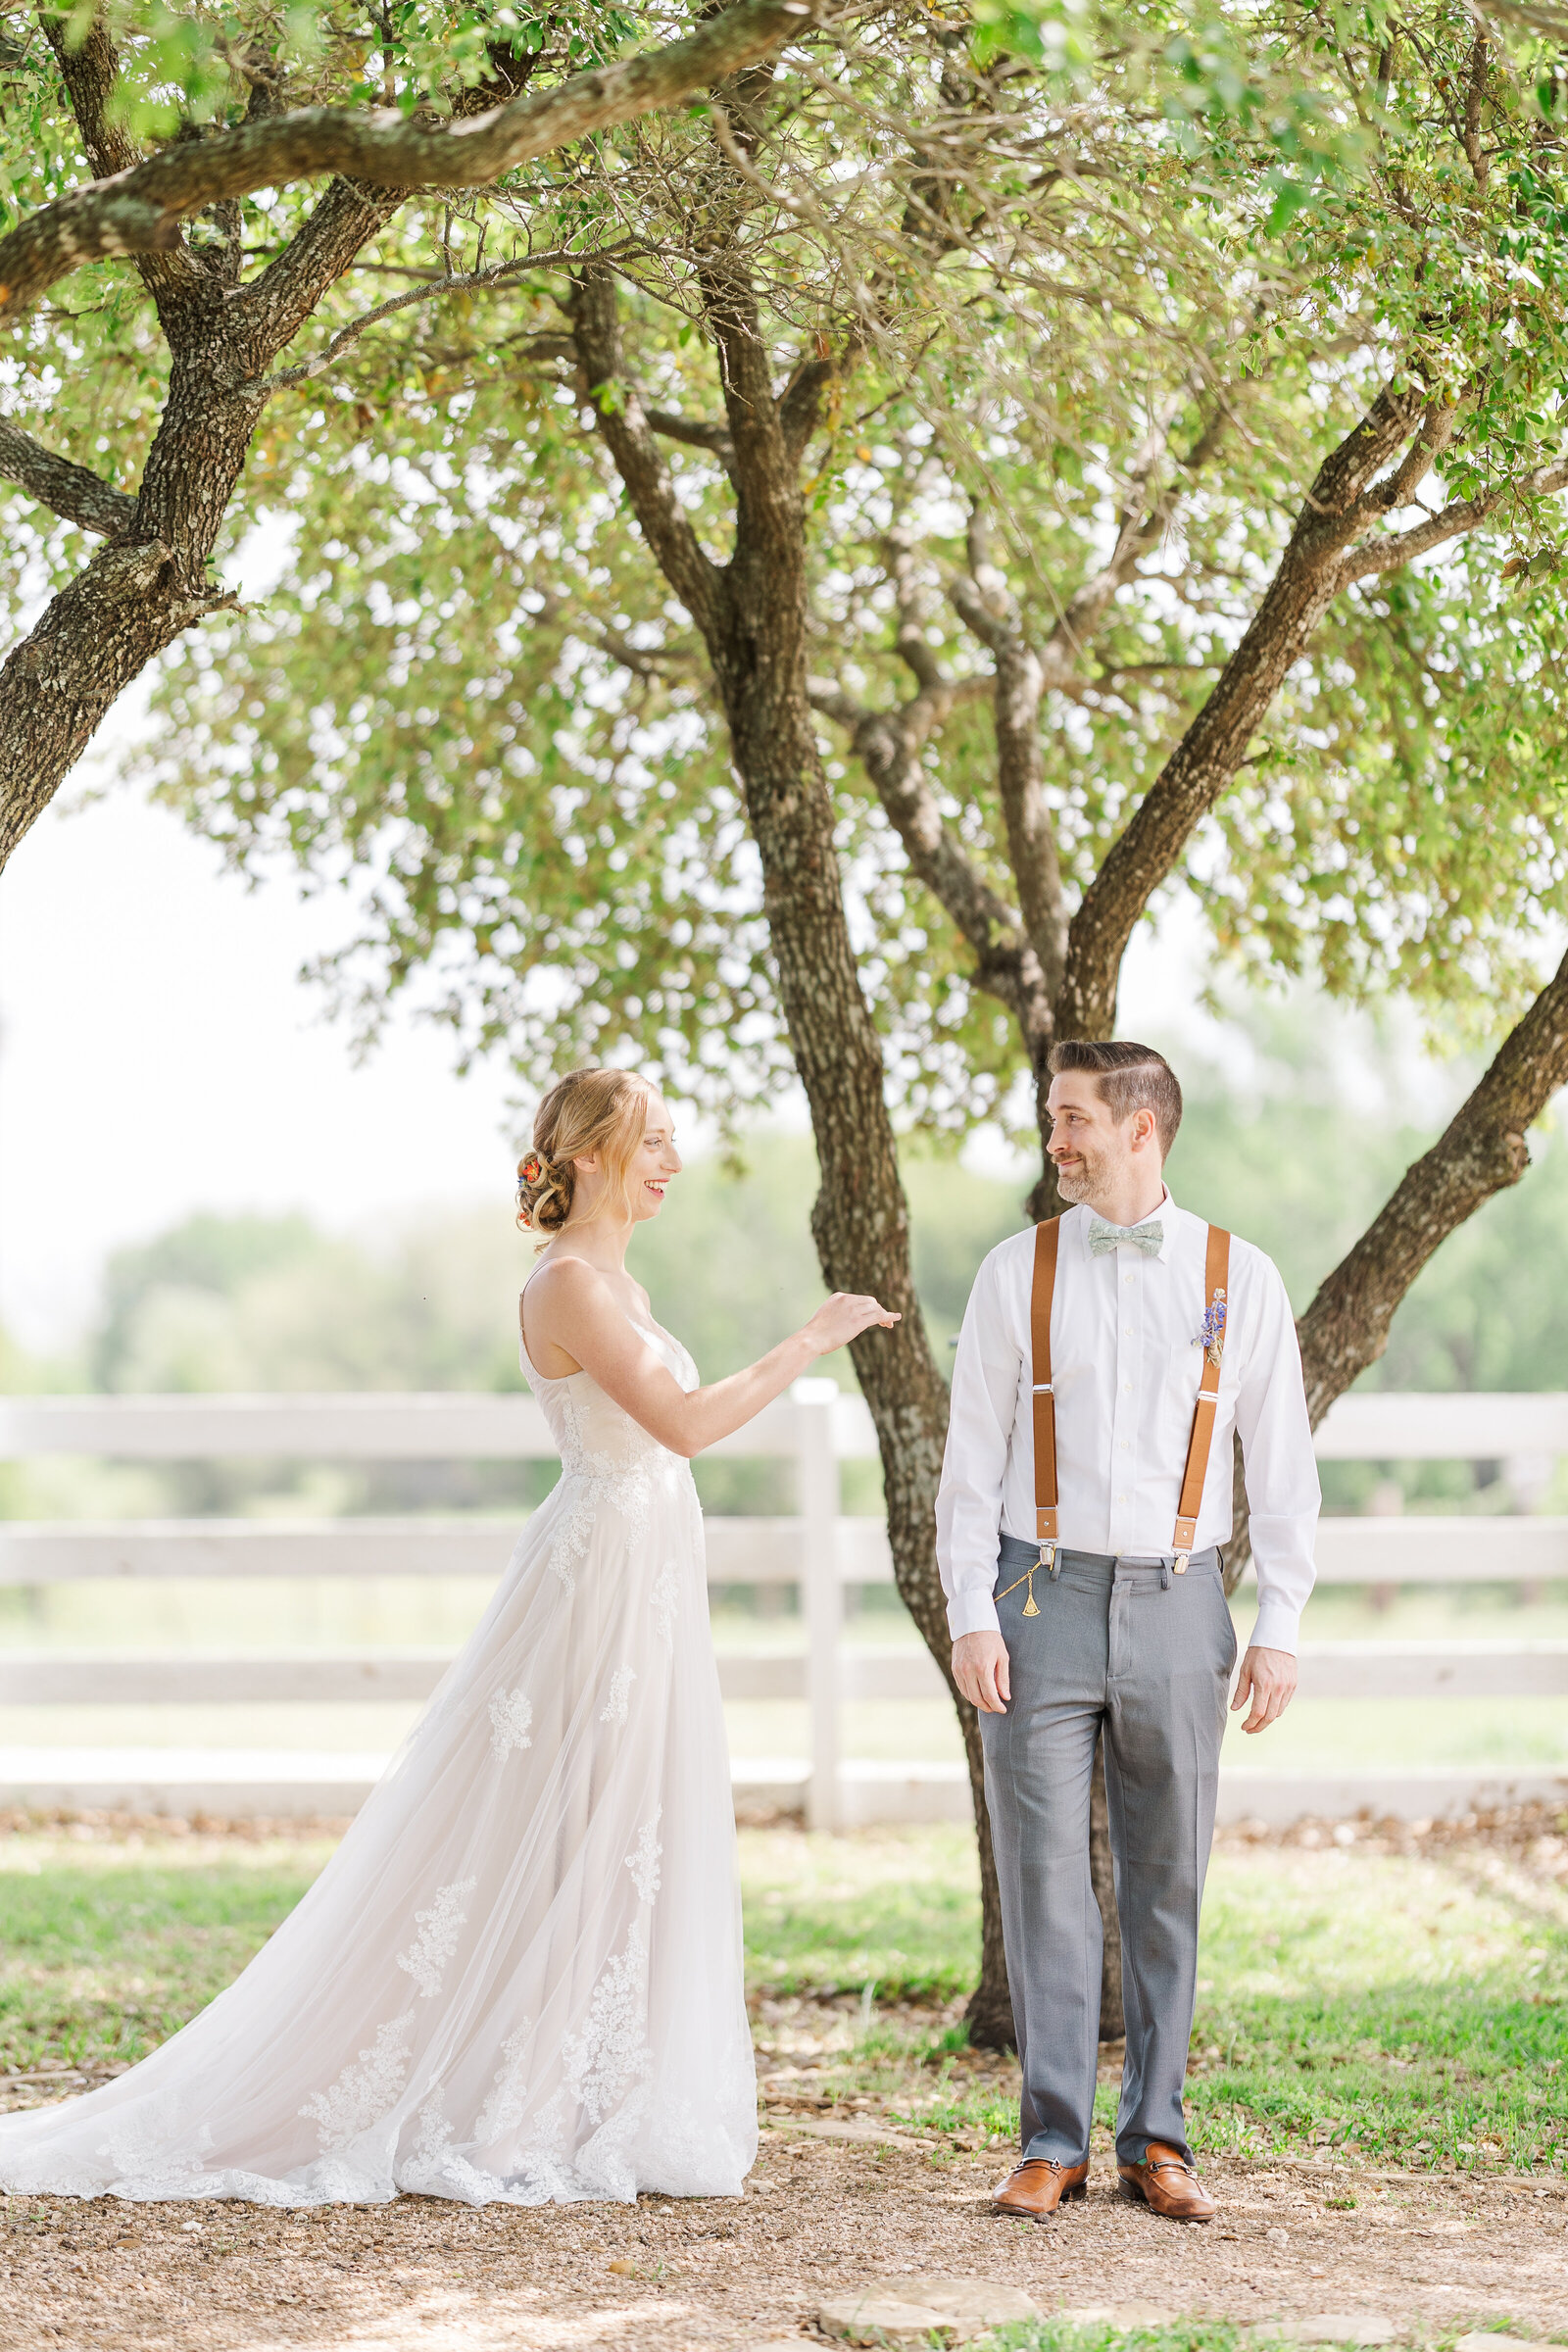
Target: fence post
[{"x": 821, "y": 1592}]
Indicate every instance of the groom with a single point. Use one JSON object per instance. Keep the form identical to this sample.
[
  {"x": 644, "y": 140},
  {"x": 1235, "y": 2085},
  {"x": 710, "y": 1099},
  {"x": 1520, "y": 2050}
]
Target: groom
[{"x": 1107, "y": 1358}]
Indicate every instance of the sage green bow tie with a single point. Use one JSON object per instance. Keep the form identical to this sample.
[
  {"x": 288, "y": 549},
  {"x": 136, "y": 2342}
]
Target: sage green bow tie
[{"x": 1148, "y": 1237}]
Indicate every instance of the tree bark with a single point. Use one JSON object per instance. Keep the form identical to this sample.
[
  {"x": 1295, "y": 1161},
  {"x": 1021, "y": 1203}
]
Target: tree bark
[{"x": 151, "y": 581}]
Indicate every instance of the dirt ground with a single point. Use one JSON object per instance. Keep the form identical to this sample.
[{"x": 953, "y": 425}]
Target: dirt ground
[{"x": 1433, "y": 2257}]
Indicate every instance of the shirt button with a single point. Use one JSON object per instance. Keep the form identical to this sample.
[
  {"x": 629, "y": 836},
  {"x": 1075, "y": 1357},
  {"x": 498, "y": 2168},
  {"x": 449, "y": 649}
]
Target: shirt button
[
  {"x": 1122, "y": 1498},
  {"x": 1126, "y": 1331},
  {"x": 1127, "y": 1278},
  {"x": 1121, "y": 1445},
  {"x": 1126, "y": 1388}
]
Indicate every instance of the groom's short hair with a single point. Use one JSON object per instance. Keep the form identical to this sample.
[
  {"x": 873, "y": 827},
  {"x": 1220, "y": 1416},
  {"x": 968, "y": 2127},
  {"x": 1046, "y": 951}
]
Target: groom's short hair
[{"x": 1132, "y": 1077}]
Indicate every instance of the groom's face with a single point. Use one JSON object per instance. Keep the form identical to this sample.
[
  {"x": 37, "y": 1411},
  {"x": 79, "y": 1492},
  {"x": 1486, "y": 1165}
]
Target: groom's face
[{"x": 1090, "y": 1149}]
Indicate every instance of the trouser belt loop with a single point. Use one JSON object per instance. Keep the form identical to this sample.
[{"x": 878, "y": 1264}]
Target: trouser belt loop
[{"x": 1166, "y": 1579}]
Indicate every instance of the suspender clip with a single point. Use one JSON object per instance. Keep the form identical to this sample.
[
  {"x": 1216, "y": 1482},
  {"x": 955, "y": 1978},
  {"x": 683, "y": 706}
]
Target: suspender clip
[
  {"x": 1180, "y": 1562},
  {"x": 1048, "y": 1560}
]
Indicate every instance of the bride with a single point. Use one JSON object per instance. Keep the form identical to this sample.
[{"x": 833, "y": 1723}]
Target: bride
[{"x": 519, "y": 1978}]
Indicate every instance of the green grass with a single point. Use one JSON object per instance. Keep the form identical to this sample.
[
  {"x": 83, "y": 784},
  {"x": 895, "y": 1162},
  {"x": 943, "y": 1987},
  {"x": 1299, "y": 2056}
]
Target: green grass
[
  {"x": 896, "y": 1909},
  {"x": 105, "y": 1951},
  {"x": 1182, "y": 2335},
  {"x": 1413, "y": 2008},
  {"x": 1178, "y": 2335},
  {"x": 1402, "y": 2010}
]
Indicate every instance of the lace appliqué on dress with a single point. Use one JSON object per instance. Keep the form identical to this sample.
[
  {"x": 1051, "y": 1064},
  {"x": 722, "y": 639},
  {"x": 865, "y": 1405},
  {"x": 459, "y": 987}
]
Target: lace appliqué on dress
[
  {"x": 511, "y": 1716},
  {"x": 154, "y": 2150},
  {"x": 433, "y": 2169},
  {"x": 664, "y": 1600},
  {"x": 600, "y": 1484},
  {"x": 364, "y": 2091},
  {"x": 603, "y": 2062},
  {"x": 615, "y": 1705},
  {"x": 506, "y": 2105},
  {"x": 437, "y": 1940},
  {"x": 643, "y": 1861}
]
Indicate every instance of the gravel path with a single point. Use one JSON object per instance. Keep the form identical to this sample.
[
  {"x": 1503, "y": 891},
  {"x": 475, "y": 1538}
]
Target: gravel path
[{"x": 822, "y": 2211}]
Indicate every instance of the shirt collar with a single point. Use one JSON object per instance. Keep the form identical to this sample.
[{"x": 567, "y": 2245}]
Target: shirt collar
[{"x": 1164, "y": 1213}]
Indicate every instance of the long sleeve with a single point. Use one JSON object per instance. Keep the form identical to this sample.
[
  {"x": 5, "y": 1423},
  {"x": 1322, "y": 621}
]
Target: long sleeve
[
  {"x": 980, "y": 1423},
  {"x": 1283, "y": 1495}
]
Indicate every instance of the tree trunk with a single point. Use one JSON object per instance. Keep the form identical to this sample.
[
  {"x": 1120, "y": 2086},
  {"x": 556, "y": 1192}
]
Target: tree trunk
[{"x": 753, "y": 617}]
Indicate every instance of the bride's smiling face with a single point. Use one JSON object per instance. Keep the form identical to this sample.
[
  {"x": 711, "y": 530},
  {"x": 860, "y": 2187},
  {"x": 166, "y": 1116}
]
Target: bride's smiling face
[{"x": 655, "y": 1163}]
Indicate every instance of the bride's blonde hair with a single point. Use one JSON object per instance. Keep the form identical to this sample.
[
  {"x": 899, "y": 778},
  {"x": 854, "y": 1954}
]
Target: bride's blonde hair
[{"x": 589, "y": 1110}]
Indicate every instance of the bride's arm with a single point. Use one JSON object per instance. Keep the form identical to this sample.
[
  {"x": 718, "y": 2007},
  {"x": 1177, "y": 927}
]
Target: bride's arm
[{"x": 570, "y": 1307}]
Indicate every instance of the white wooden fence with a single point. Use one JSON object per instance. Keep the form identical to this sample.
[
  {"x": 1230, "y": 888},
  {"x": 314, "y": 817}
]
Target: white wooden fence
[{"x": 818, "y": 1549}]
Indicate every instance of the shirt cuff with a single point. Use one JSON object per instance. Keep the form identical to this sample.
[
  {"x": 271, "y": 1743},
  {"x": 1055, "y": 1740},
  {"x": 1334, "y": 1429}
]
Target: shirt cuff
[
  {"x": 1278, "y": 1627},
  {"x": 972, "y": 1612}
]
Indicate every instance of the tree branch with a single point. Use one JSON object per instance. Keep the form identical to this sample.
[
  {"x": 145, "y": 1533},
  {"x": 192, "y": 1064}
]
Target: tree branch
[
  {"x": 1139, "y": 528},
  {"x": 990, "y": 609},
  {"x": 140, "y": 209},
  {"x": 1481, "y": 1151},
  {"x": 471, "y": 281},
  {"x": 625, "y": 427},
  {"x": 69, "y": 490},
  {"x": 889, "y": 744},
  {"x": 1451, "y": 523},
  {"x": 88, "y": 73},
  {"x": 696, "y": 431},
  {"x": 1474, "y": 97},
  {"x": 1342, "y": 503}
]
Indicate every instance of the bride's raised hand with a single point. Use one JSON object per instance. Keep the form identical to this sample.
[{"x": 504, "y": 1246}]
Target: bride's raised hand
[{"x": 843, "y": 1319}]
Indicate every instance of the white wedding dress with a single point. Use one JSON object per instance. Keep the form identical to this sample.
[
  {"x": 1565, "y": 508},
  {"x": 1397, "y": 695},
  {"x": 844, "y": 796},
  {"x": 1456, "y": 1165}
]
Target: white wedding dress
[{"x": 518, "y": 1978}]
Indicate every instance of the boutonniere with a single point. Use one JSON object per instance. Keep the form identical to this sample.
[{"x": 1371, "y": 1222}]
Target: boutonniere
[{"x": 1211, "y": 1339}]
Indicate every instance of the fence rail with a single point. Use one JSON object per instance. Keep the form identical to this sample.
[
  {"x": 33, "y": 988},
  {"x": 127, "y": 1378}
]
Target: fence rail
[
  {"x": 817, "y": 1549},
  {"x": 894, "y": 1672}
]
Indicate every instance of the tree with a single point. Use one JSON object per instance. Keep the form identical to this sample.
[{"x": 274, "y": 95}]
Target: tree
[
  {"x": 1133, "y": 588},
  {"x": 219, "y": 328}
]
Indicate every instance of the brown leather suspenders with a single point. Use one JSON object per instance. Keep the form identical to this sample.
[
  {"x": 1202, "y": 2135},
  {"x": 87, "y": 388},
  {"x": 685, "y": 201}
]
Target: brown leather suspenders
[
  {"x": 1216, "y": 1276},
  {"x": 1047, "y": 1239},
  {"x": 1217, "y": 1279}
]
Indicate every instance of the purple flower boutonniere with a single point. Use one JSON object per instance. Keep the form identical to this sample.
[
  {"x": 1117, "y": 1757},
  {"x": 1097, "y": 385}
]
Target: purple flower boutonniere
[{"x": 1211, "y": 1339}]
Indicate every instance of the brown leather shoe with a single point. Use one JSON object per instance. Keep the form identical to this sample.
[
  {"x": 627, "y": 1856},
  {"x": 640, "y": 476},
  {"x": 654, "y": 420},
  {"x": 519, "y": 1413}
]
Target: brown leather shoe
[
  {"x": 1167, "y": 2181},
  {"x": 1033, "y": 2188}
]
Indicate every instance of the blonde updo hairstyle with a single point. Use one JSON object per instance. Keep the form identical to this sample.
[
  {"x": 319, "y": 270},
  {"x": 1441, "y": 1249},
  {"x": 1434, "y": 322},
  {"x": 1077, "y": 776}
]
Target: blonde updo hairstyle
[{"x": 589, "y": 1112}]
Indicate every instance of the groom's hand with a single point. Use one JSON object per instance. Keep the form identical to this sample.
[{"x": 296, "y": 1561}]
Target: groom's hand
[
  {"x": 1268, "y": 1678},
  {"x": 980, "y": 1670}
]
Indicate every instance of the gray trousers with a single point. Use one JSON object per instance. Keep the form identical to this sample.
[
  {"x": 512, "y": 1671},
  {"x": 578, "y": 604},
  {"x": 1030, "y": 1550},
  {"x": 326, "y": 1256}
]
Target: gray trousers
[{"x": 1144, "y": 1655}]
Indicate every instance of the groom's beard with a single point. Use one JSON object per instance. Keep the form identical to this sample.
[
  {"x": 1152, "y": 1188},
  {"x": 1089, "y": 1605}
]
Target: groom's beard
[{"x": 1082, "y": 1180}]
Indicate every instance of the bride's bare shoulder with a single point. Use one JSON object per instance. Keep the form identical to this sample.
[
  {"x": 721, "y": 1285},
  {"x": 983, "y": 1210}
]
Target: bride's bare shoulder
[{"x": 566, "y": 1285}]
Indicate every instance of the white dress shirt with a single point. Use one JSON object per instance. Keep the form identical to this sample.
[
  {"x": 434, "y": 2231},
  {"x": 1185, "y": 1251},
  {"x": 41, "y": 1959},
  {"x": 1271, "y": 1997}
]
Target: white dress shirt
[{"x": 1125, "y": 1361}]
